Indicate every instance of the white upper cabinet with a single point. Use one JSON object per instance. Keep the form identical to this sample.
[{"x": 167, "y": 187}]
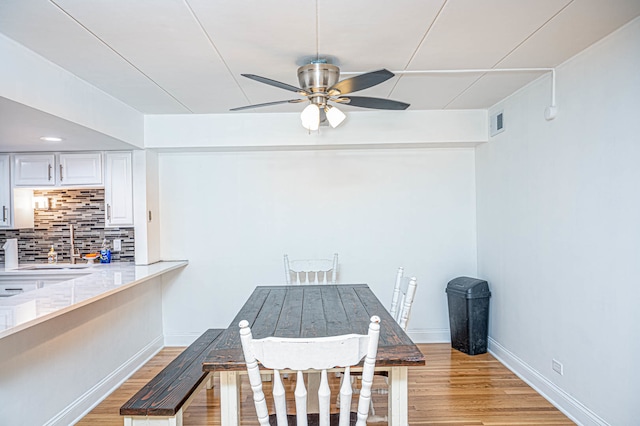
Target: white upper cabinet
[
  {"x": 16, "y": 204},
  {"x": 34, "y": 169},
  {"x": 5, "y": 191},
  {"x": 65, "y": 169},
  {"x": 118, "y": 189},
  {"x": 80, "y": 169}
]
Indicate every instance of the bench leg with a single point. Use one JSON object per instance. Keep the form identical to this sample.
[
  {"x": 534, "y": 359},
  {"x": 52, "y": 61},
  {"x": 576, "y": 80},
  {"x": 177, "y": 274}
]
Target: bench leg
[
  {"x": 154, "y": 421},
  {"x": 209, "y": 381}
]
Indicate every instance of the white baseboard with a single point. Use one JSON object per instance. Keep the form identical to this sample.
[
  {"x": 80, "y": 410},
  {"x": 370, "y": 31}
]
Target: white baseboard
[
  {"x": 86, "y": 402},
  {"x": 182, "y": 339},
  {"x": 430, "y": 335},
  {"x": 564, "y": 402}
]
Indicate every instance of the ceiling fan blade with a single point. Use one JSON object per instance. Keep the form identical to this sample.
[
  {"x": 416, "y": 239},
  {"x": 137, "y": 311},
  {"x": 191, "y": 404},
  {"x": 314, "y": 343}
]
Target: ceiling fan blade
[
  {"x": 375, "y": 103},
  {"x": 275, "y": 83},
  {"x": 360, "y": 82},
  {"x": 290, "y": 101}
]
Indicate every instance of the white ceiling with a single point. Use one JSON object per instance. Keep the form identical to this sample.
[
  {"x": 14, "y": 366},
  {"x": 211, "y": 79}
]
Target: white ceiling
[
  {"x": 21, "y": 128},
  {"x": 186, "y": 56}
]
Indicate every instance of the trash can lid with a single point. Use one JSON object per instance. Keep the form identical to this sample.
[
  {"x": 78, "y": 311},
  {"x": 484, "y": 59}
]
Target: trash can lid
[{"x": 471, "y": 288}]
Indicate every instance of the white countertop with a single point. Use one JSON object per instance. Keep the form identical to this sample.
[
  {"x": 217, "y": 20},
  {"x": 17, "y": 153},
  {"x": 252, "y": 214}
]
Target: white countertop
[{"x": 96, "y": 282}]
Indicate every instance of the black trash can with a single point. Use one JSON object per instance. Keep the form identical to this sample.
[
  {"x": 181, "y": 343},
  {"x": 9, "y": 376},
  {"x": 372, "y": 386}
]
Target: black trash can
[{"x": 468, "y": 314}]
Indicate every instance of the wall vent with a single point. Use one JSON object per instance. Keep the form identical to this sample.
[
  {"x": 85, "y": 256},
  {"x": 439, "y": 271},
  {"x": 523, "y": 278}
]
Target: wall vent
[{"x": 496, "y": 123}]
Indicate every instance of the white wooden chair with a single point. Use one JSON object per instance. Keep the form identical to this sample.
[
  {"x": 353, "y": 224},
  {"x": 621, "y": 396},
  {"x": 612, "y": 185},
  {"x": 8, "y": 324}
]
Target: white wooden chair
[
  {"x": 304, "y": 354},
  {"x": 311, "y": 271},
  {"x": 403, "y": 294}
]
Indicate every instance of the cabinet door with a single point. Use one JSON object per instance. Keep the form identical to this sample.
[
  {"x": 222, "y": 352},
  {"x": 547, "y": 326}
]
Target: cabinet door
[
  {"x": 16, "y": 204},
  {"x": 34, "y": 170},
  {"x": 118, "y": 189},
  {"x": 80, "y": 169},
  {"x": 5, "y": 192}
]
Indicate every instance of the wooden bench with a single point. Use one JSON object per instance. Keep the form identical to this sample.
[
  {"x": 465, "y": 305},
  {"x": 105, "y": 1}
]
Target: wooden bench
[{"x": 163, "y": 399}]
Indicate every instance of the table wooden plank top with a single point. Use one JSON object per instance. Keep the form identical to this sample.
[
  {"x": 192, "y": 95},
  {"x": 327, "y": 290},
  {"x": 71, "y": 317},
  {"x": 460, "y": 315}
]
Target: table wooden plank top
[{"x": 313, "y": 311}]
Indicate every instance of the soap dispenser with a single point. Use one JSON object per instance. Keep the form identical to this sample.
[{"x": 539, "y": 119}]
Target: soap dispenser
[
  {"x": 52, "y": 257},
  {"x": 105, "y": 252}
]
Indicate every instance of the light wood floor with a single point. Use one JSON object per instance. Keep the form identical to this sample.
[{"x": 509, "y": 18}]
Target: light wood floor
[{"x": 452, "y": 389}]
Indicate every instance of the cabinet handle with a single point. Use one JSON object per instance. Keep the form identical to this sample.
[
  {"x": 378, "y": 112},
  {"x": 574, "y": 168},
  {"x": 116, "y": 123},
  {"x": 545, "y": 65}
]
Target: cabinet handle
[
  {"x": 60, "y": 172},
  {"x": 49, "y": 171},
  {"x": 4, "y": 213},
  {"x": 108, "y": 212}
]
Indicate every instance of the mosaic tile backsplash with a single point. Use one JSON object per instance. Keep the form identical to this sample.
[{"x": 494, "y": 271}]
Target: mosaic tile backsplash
[{"x": 84, "y": 208}]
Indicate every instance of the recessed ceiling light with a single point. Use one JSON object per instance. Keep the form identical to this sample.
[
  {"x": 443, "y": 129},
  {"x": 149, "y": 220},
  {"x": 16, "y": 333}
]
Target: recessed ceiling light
[{"x": 51, "y": 139}]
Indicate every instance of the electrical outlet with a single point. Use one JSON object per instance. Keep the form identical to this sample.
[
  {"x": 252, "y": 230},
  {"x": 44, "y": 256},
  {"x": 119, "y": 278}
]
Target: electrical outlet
[
  {"x": 557, "y": 366},
  {"x": 117, "y": 245}
]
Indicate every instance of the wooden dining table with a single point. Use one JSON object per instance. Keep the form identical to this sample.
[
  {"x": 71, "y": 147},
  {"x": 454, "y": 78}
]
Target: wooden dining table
[{"x": 314, "y": 311}]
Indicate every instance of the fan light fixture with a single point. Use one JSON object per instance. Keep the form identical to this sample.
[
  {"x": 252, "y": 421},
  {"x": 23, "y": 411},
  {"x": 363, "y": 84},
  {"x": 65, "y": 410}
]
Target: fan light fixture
[
  {"x": 334, "y": 116},
  {"x": 310, "y": 117}
]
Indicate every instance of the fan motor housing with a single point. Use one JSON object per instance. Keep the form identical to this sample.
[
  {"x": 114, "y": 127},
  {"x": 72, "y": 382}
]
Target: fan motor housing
[{"x": 318, "y": 77}]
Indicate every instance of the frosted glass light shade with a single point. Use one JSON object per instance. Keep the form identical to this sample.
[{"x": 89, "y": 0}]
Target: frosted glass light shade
[
  {"x": 335, "y": 116},
  {"x": 310, "y": 117}
]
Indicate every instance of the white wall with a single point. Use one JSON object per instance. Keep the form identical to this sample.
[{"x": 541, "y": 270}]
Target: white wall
[
  {"x": 52, "y": 373},
  {"x": 234, "y": 215},
  {"x": 145, "y": 194},
  {"x": 559, "y": 233}
]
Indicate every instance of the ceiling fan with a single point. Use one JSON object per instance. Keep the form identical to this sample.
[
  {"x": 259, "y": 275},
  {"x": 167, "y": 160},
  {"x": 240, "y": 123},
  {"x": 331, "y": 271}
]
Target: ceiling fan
[{"x": 320, "y": 86}]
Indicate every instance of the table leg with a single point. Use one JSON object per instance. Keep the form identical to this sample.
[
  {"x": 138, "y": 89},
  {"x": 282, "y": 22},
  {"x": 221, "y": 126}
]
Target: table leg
[
  {"x": 229, "y": 398},
  {"x": 398, "y": 397}
]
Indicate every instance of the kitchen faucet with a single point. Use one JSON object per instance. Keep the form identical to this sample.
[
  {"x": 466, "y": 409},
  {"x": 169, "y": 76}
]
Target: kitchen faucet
[{"x": 75, "y": 252}]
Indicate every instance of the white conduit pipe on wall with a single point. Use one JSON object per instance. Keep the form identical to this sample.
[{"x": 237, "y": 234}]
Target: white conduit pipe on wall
[{"x": 549, "y": 113}]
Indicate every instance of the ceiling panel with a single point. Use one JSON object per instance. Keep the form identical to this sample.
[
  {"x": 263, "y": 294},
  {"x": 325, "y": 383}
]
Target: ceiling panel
[
  {"x": 478, "y": 34},
  {"x": 577, "y": 27},
  {"x": 491, "y": 88},
  {"x": 432, "y": 91},
  {"x": 258, "y": 37},
  {"x": 43, "y": 28},
  {"x": 367, "y": 35},
  {"x": 163, "y": 40}
]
